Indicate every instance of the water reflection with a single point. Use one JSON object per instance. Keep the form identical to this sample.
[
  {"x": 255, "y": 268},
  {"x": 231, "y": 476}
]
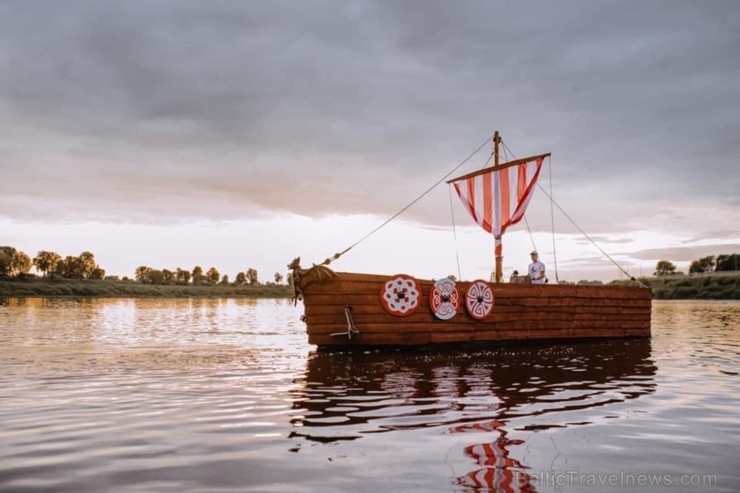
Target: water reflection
[
  {"x": 196, "y": 395},
  {"x": 500, "y": 472},
  {"x": 84, "y": 334},
  {"x": 488, "y": 394}
]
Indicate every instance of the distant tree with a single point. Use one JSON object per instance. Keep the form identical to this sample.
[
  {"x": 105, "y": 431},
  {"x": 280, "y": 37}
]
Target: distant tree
[
  {"x": 45, "y": 261},
  {"x": 142, "y": 274},
  {"x": 727, "y": 262},
  {"x": 168, "y": 277},
  {"x": 212, "y": 276},
  {"x": 82, "y": 267},
  {"x": 240, "y": 279},
  {"x": 224, "y": 280},
  {"x": 278, "y": 278},
  {"x": 7, "y": 253},
  {"x": 664, "y": 268},
  {"x": 252, "y": 276},
  {"x": 156, "y": 276},
  {"x": 60, "y": 269},
  {"x": 182, "y": 276},
  {"x": 702, "y": 265},
  {"x": 86, "y": 264},
  {"x": 197, "y": 274},
  {"x": 289, "y": 279},
  {"x": 70, "y": 267},
  {"x": 20, "y": 264}
]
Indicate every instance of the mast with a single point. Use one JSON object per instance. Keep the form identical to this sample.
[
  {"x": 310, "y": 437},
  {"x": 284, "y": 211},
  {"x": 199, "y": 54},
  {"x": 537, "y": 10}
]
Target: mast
[
  {"x": 497, "y": 240},
  {"x": 498, "y": 198}
]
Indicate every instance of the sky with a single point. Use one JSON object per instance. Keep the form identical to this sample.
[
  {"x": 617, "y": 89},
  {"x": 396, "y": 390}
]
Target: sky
[{"x": 240, "y": 135}]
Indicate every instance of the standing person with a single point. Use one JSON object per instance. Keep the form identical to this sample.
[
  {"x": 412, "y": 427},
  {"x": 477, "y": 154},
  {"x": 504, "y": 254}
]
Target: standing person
[{"x": 536, "y": 269}]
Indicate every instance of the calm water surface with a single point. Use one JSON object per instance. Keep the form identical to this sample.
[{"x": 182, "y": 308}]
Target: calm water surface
[{"x": 226, "y": 395}]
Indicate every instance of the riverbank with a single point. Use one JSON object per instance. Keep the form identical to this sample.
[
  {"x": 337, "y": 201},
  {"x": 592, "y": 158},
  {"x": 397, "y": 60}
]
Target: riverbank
[
  {"x": 726, "y": 287},
  {"x": 695, "y": 287},
  {"x": 105, "y": 288}
]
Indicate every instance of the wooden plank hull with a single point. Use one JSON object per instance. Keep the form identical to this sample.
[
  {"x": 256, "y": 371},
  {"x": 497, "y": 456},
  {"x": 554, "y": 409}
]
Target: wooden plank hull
[{"x": 522, "y": 312}]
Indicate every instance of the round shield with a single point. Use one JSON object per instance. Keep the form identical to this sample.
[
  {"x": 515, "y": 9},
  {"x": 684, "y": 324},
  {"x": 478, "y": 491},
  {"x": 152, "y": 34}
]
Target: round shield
[
  {"x": 400, "y": 295},
  {"x": 444, "y": 299},
  {"x": 479, "y": 299}
]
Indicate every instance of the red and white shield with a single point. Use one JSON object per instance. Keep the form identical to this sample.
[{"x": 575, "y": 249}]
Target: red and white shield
[
  {"x": 444, "y": 299},
  {"x": 400, "y": 295},
  {"x": 479, "y": 299}
]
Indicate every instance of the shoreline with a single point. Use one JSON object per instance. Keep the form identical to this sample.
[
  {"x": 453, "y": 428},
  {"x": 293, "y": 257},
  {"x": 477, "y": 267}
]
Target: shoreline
[
  {"x": 94, "y": 288},
  {"x": 724, "y": 287}
]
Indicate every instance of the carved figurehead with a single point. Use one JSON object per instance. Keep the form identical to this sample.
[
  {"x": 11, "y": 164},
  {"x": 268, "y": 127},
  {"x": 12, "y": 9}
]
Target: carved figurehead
[{"x": 304, "y": 277}]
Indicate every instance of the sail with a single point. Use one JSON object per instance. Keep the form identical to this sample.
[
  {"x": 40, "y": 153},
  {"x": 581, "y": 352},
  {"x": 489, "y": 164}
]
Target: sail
[{"x": 497, "y": 197}]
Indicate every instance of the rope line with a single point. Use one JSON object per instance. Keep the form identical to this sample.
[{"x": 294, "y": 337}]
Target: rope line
[
  {"x": 337, "y": 255},
  {"x": 529, "y": 232},
  {"x": 454, "y": 235},
  {"x": 552, "y": 201},
  {"x": 552, "y": 227},
  {"x": 507, "y": 151},
  {"x": 552, "y": 219}
]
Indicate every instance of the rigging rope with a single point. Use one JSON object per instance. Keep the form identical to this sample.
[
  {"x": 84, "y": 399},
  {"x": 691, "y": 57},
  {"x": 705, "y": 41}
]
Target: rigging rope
[
  {"x": 529, "y": 232},
  {"x": 552, "y": 201},
  {"x": 552, "y": 227},
  {"x": 337, "y": 255},
  {"x": 454, "y": 235},
  {"x": 506, "y": 150},
  {"x": 526, "y": 222},
  {"x": 552, "y": 219}
]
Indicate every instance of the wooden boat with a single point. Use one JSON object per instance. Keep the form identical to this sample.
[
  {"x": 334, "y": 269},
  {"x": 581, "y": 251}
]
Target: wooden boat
[{"x": 345, "y": 309}]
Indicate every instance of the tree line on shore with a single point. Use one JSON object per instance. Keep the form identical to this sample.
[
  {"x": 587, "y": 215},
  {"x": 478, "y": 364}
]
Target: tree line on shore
[
  {"x": 15, "y": 263},
  {"x": 711, "y": 263},
  {"x": 66, "y": 277},
  {"x": 18, "y": 264}
]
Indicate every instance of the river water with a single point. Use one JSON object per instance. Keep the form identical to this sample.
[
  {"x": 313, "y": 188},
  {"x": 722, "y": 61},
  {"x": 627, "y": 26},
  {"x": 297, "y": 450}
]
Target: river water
[{"x": 152, "y": 395}]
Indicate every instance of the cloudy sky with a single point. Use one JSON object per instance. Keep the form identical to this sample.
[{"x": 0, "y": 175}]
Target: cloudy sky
[{"x": 242, "y": 134}]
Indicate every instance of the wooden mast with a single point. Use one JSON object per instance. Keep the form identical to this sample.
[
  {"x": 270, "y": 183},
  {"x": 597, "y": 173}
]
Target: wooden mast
[
  {"x": 497, "y": 276},
  {"x": 499, "y": 258}
]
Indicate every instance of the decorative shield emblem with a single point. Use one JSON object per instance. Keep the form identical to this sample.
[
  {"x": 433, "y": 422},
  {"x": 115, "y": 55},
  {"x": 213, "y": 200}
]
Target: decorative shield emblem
[
  {"x": 401, "y": 295},
  {"x": 444, "y": 299},
  {"x": 479, "y": 299}
]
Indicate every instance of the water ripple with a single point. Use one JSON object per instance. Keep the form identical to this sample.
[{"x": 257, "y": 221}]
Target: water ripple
[{"x": 225, "y": 395}]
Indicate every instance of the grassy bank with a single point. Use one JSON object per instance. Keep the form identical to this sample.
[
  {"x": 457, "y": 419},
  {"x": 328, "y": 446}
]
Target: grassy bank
[
  {"x": 726, "y": 287},
  {"x": 668, "y": 288},
  {"x": 46, "y": 288}
]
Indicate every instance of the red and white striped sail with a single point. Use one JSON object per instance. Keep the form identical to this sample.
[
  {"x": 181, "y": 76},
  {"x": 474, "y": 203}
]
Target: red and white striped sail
[{"x": 497, "y": 197}]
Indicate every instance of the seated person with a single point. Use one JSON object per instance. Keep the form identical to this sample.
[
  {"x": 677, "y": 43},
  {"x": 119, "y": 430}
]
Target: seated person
[{"x": 517, "y": 279}]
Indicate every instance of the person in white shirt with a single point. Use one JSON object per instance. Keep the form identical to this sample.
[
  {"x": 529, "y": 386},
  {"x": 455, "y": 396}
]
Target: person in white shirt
[{"x": 536, "y": 269}]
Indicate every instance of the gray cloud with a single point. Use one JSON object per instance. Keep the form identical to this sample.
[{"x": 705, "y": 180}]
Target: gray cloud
[
  {"x": 219, "y": 109},
  {"x": 687, "y": 253}
]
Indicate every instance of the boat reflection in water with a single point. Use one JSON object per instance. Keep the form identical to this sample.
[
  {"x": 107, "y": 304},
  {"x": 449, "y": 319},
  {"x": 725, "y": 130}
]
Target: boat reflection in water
[
  {"x": 489, "y": 394},
  {"x": 499, "y": 472}
]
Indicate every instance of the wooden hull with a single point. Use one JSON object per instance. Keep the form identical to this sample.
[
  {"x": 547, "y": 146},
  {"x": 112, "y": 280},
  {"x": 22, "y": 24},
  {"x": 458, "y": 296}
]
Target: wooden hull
[{"x": 522, "y": 312}]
